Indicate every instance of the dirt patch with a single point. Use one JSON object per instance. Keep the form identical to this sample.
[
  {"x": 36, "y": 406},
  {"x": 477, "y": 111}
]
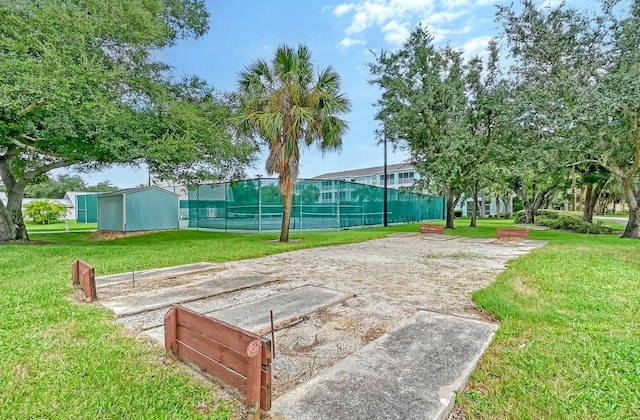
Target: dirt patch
[
  {"x": 109, "y": 235},
  {"x": 392, "y": 279}
]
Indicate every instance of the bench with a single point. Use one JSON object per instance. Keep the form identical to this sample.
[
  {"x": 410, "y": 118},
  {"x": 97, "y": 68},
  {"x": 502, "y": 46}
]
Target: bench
[
  {"x": 426, "y": 228},
  {"x": 512, "y": 233}
]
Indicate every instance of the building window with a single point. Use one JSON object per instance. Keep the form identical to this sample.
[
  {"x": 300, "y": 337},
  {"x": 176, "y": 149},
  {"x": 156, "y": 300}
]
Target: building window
[
  {"x": 327, "y": 196},
  {"x": 391, "y": 180},
  {"x": 343, "y": 195},
  {"x": 326, "y": 185},
  {"x": 405, "y": 178}
]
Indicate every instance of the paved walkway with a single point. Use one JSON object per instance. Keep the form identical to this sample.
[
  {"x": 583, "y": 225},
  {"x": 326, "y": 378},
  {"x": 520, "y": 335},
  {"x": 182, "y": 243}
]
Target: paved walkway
[{"x": 410, "y": 373}]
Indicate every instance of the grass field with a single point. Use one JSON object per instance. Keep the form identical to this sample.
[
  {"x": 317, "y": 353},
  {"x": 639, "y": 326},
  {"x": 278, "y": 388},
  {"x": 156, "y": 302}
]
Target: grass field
[
  {"x": 568, "y": 345},
  {"x": 59, "y": 225}
]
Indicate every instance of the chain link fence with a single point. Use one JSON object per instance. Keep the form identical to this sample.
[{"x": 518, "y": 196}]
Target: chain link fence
[{"x": 256, "y": 205}]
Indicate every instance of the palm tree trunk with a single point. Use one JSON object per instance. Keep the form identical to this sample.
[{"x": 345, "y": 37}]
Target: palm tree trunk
[{"x": 286, "y": 211}]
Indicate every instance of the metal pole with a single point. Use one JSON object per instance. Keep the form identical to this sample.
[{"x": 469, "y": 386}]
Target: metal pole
[
  {"x": 338, "y": 203},
  {"x": 259, "y": 204},
  {"x": 225, "y": 207},
  {"x": 385, "y": 205}
]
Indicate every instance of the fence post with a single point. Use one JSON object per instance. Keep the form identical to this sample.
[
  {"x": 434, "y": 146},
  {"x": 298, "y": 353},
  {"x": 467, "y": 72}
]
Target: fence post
[
  {"x": 170, "y": 323},
  {"x": 338, "y": 203},
  {"x": 259, "y": 204}
]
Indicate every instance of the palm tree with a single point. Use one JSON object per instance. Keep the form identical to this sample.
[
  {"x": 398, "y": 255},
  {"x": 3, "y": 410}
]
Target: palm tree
[{"x": 287, "y": 105}]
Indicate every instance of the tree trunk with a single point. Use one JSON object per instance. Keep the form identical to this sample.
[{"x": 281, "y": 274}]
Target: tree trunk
[
  {"x": 498, "y": 207},
  {"x": 630, "y": 191},
  {"x": 530, "y": 214},
  {"x": 286, "y": 211},
  {"x": 451, "y": 204},
  {"x": 633, "y": 225},
  {"x": 11, "y": 221},
  {"x": 483, "y": 207},
  {"x": 592, "y": 194},
  {"x": 510, "y": 205},
  {"x": 474, "y": 214}
]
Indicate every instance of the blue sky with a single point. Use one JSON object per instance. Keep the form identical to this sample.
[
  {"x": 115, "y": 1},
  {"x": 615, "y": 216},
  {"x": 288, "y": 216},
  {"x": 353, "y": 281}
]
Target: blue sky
[{"x": 338, "y": 33}]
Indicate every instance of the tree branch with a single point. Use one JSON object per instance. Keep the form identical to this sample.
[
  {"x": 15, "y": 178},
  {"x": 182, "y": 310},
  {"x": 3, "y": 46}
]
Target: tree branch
[
  {"x": 31, "y": 108},
  {"x": 30, "y": 176},
  {"x": 25, "y": 146}
]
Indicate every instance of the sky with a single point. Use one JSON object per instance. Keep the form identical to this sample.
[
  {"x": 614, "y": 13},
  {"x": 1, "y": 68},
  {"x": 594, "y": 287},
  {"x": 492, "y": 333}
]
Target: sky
[{"x": 338, "y": 33}]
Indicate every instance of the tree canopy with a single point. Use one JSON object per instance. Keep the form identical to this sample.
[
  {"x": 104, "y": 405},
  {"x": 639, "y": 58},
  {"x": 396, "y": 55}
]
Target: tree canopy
[{"x": 80, "y": 86}]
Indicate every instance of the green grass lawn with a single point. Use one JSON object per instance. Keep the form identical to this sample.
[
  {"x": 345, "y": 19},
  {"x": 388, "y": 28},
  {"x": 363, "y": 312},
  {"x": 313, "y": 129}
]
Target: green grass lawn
[
  {"x": 59, "y": 225},
  {"x": 568, "y": 345}
]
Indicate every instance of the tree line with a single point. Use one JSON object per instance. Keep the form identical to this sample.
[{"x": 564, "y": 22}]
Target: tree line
[{"x": 565, "y": 108}]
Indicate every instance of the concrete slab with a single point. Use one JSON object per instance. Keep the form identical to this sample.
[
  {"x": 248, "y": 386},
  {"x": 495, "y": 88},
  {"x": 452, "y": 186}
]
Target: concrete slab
[
  {"x": 288, "y": 307},
  {"x": 157, "y": 273},
  {"x": 412, "y": 372},
  {"x": 479, "y": 240},
  {"x": 534, "y": 243},
  {"x": 134, "y": 303},
  {"x": 438, "y": 237}
]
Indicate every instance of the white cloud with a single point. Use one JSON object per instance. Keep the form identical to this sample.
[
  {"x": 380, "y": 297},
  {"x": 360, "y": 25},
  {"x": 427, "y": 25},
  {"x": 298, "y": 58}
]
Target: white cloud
[
  {"x": 396, "y": 33},
  {"x": 348, "y": 42},
  {"x": 396, "y": 18},
  {"x": 441, "y": 18},
  {"x": 342, "y": 9},
  {"x": 476, "y": 46},
  {"x": 550, "y": 4}
]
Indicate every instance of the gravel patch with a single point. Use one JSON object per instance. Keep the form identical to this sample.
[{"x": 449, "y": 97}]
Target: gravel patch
[{"x": 392, "y": 278}]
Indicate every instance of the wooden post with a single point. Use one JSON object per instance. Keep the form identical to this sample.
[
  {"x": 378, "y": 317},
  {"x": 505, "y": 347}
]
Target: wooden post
[
  {"x": 254, "y": 373},
  {"x": 88, "y": 279},
  {"x": 170, "y": 323},
  {"x": 75, "y": 273}
]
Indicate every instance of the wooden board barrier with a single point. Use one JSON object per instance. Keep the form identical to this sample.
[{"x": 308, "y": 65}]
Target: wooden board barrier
[
  {"x": 512, "y": 233},
  {"x": 234, "y": 356},
  {"x": 84, "y": 276},
  {"x": 426, "y": 228}
]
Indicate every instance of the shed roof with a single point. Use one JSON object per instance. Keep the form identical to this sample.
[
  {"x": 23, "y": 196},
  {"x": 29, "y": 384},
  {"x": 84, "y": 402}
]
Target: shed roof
[{"x": 135, "y": 190}]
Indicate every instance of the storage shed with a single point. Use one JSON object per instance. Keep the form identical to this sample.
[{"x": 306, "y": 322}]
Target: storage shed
[{"x": 136, "y": 209}]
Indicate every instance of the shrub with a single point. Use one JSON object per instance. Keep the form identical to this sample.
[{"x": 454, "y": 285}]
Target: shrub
[
  {"x": 556, "y": 219},
  {"x": 567, "y": 220},
  {"x": 457, "y": 213},
  {"x": 43, "y": 211}
]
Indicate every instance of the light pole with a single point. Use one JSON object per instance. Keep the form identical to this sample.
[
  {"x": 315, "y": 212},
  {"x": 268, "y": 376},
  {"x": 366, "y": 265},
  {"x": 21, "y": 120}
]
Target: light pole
[{"x": 385, "y": 203}]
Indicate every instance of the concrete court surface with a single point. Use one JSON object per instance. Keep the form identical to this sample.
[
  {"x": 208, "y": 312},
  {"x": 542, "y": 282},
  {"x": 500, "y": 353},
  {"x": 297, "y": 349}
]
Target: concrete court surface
[
  {"x": 137, "y": 302},
  {"x": 410, "y": 373},
  {"x": 288, "y": 307},
  {"x": 166, "y": 272}
]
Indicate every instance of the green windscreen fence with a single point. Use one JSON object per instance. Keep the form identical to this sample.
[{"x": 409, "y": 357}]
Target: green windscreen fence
[
  {"x": 328, "y": 204},
  {"x": 87, "y": 208}
]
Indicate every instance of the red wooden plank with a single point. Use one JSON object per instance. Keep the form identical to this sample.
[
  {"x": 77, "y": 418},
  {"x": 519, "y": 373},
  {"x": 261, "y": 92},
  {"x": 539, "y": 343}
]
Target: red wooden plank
[
  {"x": 216, "y": 351},
  {"x": 170, "y": 325},
  {"x": 75, "y": 273},
  {"x": 265, "y": 388},
  {"x": 426, "y": 228},
  {"x": 254, "y": 372},
  {"x": 234, "y": 337},
  {"x": 507, "y": 233},
  {"x": 88, "y": 282},
  {"x": 212, "y": 345},
  {"x": 213, "y": 368},
  {"x": 266, "y": 351}
]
